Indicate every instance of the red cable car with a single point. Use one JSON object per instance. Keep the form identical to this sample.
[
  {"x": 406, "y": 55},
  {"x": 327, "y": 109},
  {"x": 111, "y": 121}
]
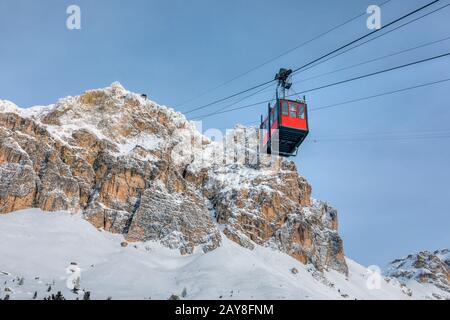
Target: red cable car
[{"x": 286, "y": 126}]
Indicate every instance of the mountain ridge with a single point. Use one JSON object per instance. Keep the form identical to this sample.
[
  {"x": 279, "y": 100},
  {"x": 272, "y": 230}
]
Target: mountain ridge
[{"x": 136, "y": 168}]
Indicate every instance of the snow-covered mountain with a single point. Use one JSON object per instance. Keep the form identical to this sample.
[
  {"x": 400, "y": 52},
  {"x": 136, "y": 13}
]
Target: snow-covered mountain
[
  {"x": 425, "y": 271},
  {"x": 135, "y": 173},
  {"x": 142, "y": 170}
]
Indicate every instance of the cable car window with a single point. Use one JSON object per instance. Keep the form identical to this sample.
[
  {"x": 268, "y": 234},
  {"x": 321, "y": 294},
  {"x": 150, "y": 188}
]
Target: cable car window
[
  {"x": 293, "y": 111},
  {"x": 301, "y": 112},
  {"x": 285, "y": 109}
]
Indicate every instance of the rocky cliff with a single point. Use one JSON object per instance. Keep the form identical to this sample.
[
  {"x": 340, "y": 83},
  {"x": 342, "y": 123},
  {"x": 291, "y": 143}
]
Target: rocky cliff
[{"x": 142, "y": 170}]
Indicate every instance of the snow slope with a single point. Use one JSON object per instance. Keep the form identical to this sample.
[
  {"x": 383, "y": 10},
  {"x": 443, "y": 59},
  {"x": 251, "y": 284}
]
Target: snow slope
[{"x": 38, "y": 247}]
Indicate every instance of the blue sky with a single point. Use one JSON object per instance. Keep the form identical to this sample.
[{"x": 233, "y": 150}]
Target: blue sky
[{"x": 392, "y": 195}]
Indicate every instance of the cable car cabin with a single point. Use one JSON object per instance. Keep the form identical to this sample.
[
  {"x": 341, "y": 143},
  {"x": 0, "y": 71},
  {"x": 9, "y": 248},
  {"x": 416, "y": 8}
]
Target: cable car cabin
[{"x": 288, "y": 123}]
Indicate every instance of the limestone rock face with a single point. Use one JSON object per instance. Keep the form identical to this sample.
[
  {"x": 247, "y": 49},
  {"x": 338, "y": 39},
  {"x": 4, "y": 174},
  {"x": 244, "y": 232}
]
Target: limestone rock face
[
  {"x": 271, "y": 205},
  {"x": 142, "y": 170},
  {"x": 175, "y": 220}
]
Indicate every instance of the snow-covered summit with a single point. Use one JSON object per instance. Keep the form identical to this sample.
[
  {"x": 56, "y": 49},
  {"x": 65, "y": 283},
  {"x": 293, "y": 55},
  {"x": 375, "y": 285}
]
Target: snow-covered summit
[{"x": 8, "y": 106}]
